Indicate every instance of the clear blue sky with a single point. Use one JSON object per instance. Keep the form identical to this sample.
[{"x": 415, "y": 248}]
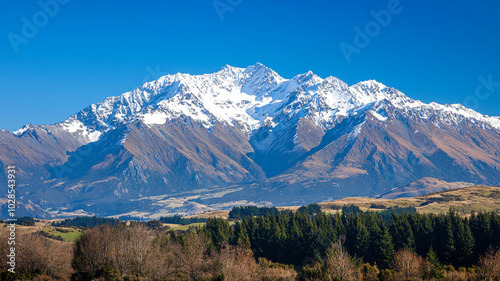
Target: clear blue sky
[{"x": 89, "y": 50}]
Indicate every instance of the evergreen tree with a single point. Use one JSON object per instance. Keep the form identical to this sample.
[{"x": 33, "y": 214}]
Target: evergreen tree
[
  {"x": 361, "y": 239},
  {"x": 495, "y": 230},
  {"x": 382, "y": 250},
  {"x": 480, "y": 226},
  {"x": 218, "y": 230},
  {"x": 464, "y": 243},
  {"x": 448, "y": 248},
  {"x": 401, "y": 232},
  {"x": 436, "y": 266},
  {"x": 423, "y": 232}
]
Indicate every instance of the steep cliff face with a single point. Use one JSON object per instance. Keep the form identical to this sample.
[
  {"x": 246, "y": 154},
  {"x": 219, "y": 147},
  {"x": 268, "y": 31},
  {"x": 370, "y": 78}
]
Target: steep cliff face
[{"x": 187, "y": 143}]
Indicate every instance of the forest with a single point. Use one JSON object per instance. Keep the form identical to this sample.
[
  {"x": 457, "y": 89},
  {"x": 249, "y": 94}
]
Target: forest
[{"x": 268, "y": 245}]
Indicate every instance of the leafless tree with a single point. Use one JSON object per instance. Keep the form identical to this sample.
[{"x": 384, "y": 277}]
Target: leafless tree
[
  {"x": 119, "y": 249},
  {"x": 268, "y": 271},
  {"x": 490, "y": 263},
  {"x": 57, "y": 260},
  {"x": 162, "y": 261},
  {"x": 139, "y": 251},
  {"x": 36, "y": 254},
  {"x": 91, "y": 250},
  {"x": 407, "y": 264},
  {"x": 139, "y": 244},
  {"x": 191, "y": 255},
  {"x": 236, "y": 263},
  {"x": 339, "y": 263},
  {"x": 4, "y": 249}
]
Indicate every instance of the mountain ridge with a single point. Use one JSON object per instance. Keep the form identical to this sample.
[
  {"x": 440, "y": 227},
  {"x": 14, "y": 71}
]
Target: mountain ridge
[
  {"x": 361, "y": 91},
  {"x": 248, "y": 135}
]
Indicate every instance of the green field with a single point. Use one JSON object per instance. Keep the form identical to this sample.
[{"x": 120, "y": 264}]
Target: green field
[
  {"x": 187, "y": 226},
  {"x": 69, "y": 236}
]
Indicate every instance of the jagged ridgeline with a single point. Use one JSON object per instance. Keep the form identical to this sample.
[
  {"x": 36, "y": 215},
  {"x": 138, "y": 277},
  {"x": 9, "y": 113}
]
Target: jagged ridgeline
[{"x": 186, "y": 144}]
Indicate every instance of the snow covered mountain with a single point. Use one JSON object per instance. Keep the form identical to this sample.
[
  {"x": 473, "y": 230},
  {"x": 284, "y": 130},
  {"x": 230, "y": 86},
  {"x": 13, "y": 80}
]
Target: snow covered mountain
[
  {"x": 187, "y": 143},
  {"x": 250, "y": 96}
]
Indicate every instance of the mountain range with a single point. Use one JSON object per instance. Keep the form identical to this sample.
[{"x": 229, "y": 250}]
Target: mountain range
[{"x": 187, "y": 144}]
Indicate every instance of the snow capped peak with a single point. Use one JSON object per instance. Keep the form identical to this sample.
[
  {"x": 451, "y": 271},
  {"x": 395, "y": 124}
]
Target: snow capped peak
[
  {"x": 308, "y": 78},
  {"x": 258, "y": 67},
  {"x": 372, "y": 85},
  {"x": 260, "y": 79},
  {"x": 254, "y": 96},
  {"x": 369, "y": 91},
  {"x": 23, "y": 129},
  {"x": 231, "y": 70},
  {"x": 369, "y": 88},
  {"x": 260, "y": 70},
  {"x": 334, "y": 83}
]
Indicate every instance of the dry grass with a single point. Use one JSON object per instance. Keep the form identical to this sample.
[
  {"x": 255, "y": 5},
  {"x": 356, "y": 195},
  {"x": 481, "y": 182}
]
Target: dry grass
[
  {"x": 465, "y": 200},
  {"x": 217, "y": 214}
]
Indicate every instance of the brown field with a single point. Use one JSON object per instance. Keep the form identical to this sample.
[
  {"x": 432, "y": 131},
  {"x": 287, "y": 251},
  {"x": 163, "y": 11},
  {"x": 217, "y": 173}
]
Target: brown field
[
  {"x": 465, "y": 200},
  {"x": 218, "y": 214}
]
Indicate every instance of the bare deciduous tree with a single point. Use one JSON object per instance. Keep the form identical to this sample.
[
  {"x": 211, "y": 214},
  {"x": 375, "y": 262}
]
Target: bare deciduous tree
[
  {"x": 162, "y": 261},
  {"x": 57, "y": 259},
  {"x": 29, "y": 252},
  {"x": 339, "y": 263},
  {"x": 191, "y": 255},
  {"x": 236, "y": 263},
  {"x": 119, "y": 250},
  {"x": 490, "y": 263},
  {"x": 4, "y": 249},
  {"x": 91, "y": 251},
  {"x": 407, "y": 264},
  {"x": 140, "y": 239},
  {"x": 270, "y": 272},
  {"x": 36, "y": 255}
]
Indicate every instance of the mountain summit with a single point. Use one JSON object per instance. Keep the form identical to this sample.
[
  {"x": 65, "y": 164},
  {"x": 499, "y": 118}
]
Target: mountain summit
[{"x": 190, "y": 143}]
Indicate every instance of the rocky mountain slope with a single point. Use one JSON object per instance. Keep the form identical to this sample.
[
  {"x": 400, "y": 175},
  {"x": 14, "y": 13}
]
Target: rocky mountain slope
[{"x": 192, "y": 143}]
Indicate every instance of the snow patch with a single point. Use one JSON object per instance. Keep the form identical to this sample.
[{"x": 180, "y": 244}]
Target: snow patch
[
  {"x": 22, "y": 130},
  {"x": 155, "y": 118},
  {"x": 354, "y": 134},
  {"x": 378, "y": 115},
  {"x": 76, "y": 126}
]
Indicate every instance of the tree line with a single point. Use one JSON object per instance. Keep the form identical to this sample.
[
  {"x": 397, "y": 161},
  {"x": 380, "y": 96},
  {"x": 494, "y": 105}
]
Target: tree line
[
  {"x": 86, "y": 222},
  {"x": 136, "y": 252},
  {"x": 176, "y": 219},
  {"x": 373, "y": 240},
  {"x": 305, "y": 245},
  {"x": 298, "y": 237},
  {"x": 242, "y": 212}
]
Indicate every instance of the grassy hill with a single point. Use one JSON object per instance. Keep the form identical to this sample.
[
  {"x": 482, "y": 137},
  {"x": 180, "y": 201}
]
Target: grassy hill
[{"x": 466, "y": 200}]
